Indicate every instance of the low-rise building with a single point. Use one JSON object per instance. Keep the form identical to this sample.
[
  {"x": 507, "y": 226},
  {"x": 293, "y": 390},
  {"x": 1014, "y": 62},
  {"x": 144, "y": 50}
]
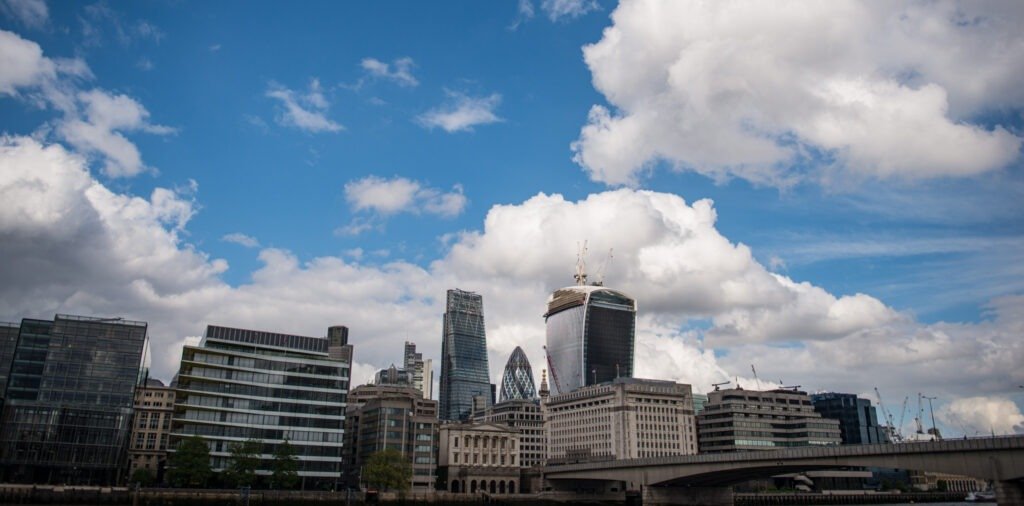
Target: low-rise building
[
  {"x": 382, "y": 417},
  {"x": 745, "y": 420},
  {"x": 625, "y": 418},
  {"x": 479, "y": 457},
  {"x": 524, "y": 415},
  {"x": 154, "y": 407}
]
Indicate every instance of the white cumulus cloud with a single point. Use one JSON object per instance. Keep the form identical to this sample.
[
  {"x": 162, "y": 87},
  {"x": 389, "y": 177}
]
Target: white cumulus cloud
[
  {"x": 31, "y": 13},
  {"x": 983, "y": 415},
  {"x": 383, "y": 197},
  {"x": 398, "y": 71},
  {"x": 305, "y": 111},
  {"x": 241, "y": 239},
  {"x": 791, "y": 91},
  {"x": 461, "y": 112}
]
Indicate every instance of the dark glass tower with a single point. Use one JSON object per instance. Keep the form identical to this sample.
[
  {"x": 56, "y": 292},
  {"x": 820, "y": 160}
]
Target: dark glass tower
[
  {"x": 858, "y": 421},
  {"x": 590, "y": 334},
  {"x": 68, "y": 407},
  {"x": 517, "y": 382},
  {"x": 464, "y": 372}
]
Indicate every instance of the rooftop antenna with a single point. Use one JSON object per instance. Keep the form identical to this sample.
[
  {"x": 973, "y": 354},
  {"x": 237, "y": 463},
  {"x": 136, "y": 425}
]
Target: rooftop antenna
[{"x": 581, "y": 264}]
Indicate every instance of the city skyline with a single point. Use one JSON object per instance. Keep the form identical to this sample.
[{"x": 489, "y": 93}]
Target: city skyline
[{"x": 842, "y": 212}]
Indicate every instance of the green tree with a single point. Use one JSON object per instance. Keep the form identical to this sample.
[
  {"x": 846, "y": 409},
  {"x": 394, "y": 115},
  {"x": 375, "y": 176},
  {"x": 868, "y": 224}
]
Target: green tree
[
  {"x": 388, "y": 470},
  {"x": 245, "y": 459},
  {"x": 144, "y": 477},
  {"x": 286, "y": 467},
  {"x": 189, "y": 466}
]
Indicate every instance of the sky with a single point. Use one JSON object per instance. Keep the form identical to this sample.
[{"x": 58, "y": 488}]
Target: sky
[{"x": 831, "y": 192}]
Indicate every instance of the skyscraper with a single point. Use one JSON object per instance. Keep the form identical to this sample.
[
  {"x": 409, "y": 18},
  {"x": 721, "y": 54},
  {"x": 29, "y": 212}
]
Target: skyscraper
[
  {"x": 67, "y": 415},
  {"x": 517, "y": 382},
  {"x": 422, "y": 373},
  {"x": 857, "y": 419},
  {"x": 590, "y": 334},
  {"x": 464, "y": 372}
]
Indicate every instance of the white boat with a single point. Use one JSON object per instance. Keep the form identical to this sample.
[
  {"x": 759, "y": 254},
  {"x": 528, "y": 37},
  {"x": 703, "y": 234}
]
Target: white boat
[{"x": 981, "y": 496}]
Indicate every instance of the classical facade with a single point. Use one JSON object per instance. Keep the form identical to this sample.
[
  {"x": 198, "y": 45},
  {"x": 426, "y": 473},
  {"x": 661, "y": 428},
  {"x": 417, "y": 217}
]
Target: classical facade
[
  {"x": 750, "y": 420},
  {"x": 625, "y": 418},
  {"x": 464, "y": 372},
  {"x": 240, "y": 384},
  {"x": 479, "y": 457},
  {"x": 382, "y": 417},
  {"x": 524, "y": 415},
  {"x": 154, "y": 407},
  {"x": 68, "y": 408},
  {"x": 590, "y": 334}
]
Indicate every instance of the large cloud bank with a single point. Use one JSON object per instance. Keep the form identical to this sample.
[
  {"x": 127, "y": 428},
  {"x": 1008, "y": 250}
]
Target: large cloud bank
[
  {"x": 70, "y": 244},
  {"x": 780, "y": 92}
]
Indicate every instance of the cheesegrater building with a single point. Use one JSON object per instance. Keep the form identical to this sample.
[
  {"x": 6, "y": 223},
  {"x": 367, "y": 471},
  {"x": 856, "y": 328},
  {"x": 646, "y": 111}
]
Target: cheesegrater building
[
  {"x": 464, "y": 373},
  {"x": 590, "y": 334},
  {"x": 242, "y": 384}
]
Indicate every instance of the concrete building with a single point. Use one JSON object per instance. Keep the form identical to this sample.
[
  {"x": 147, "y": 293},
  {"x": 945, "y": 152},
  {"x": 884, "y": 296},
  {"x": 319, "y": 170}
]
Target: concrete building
[
  {"x": 394, "y": 376},
  {"x": 525, "y": 416},
  {"x": 382, "y": 417},
  {"x": 858, "y": 422},
  {"x": 68, "y": 408},
  {"x": 422, "y": 370},
  {"x": 242, "y": 384},
  {"x": 154, "y": 408},
  {"x": 464, "y": 371},
  {"x": 626, "y": 418},
  {"x": 750, "y": 420},
  {"x": 479, "y": 457}
]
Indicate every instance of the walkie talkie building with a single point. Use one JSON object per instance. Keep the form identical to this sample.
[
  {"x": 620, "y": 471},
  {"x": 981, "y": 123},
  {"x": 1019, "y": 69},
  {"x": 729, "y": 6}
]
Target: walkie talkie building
[
  {"x": 464, "y": 372},
  {"x": 590, "y": 335}
]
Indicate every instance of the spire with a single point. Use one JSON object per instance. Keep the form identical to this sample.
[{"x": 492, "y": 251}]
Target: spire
[{"x": 544, "y": 392}]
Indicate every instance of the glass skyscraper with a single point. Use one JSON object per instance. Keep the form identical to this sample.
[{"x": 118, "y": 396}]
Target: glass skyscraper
[
  {"x": 245, "y": 384},
  {"x": 68, "y": 407},
  {"x": 517, "y": 382},
  {"x": 464, "y": 373},
  {"x": 590, "y": 334},
  {"x": 857, "y": 419}
]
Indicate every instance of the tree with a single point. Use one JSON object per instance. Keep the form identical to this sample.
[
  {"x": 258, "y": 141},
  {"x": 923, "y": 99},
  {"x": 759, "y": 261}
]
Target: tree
[
  {"x": 286, "y": 466},
  {"x": 245, "y": 458},
  {"x": 388, "y": 470},
  {"x": 143, "y": 477},
  {"x": 189, "y": 466}
]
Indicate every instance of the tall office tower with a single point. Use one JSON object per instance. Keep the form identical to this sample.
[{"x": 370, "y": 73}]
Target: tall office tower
[
  {"x": 590, "y": 334},
  {"x": 8, "y": 342},
  {"x": 517, "y": 382},
  {"x": 858, "y": 421},
  {"x": 464, "y": 372},
  {"x": 245, "y": 384},
  {"x": 68, "y": 409},
  {"x": 422, "y": 375}
]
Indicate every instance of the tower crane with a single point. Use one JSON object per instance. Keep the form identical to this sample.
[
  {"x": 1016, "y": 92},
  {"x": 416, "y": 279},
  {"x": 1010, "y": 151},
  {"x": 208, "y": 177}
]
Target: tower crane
[
  {"x": 716, "y": 385},
  {"x": 889, "y": 430},
  {"x": 554, "y": 375},
  {"x": 600, "y": 270}
]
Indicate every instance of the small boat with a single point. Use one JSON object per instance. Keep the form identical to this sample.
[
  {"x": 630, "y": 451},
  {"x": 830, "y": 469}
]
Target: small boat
[{"x": 981, "y": 496}]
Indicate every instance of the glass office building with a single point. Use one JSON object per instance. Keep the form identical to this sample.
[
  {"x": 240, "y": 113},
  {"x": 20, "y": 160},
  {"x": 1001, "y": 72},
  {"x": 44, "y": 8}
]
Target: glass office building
[
  {"x": 590, "y": 335},
  {"x": 464, "y": 373},
  {"x": 517, "y": 382},
  {"x": 242, "y": 384},
  {"x": 68, "y": 407},
  {"x": 858, "y": 421}
]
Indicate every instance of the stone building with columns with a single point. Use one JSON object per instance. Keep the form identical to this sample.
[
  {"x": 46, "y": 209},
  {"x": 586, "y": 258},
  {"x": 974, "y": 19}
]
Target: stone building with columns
[{"x": 479, "y": 457}]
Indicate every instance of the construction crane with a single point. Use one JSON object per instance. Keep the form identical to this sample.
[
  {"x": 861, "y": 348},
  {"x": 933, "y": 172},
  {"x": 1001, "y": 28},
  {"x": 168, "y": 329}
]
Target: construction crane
[
  {"x": 934, "y": 431},
  {"x": 716, "y": 385},
  {"x": 551, "y": 366},
  {"x": 920, "y": 412},
  {"x": 581, "y": 265},
  {"x": 903, "y": 416},
  {"x": 600, "y": 270},
  {"x": 756, "y": 381},
  {"x": 889, "y": 429}
]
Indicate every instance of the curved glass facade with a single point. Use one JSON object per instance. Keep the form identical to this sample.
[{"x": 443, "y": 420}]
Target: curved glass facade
[
  {"x": 517, "y": 382},
  {"x": 464, "y": 372},
  {"x": 590, "y": 336}
]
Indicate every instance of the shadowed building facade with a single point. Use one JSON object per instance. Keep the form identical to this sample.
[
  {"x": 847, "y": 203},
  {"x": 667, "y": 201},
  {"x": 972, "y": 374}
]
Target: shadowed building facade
[
  {"x": 590, "y": 335},
  {"x": 464, "y": 372},
  {"x": 68, "y": 407}
]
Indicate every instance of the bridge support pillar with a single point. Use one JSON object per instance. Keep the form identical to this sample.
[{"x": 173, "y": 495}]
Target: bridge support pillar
[
  {"x": 703, "y": 496},
  {"x": 1009, "y": 492}
]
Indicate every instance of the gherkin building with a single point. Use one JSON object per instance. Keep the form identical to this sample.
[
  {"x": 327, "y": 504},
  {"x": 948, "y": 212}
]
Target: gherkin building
[{"x": 517, "y": 382}]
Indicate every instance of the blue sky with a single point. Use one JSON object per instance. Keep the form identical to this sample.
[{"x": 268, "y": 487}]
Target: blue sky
[{"x": 489, "y": 104}]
